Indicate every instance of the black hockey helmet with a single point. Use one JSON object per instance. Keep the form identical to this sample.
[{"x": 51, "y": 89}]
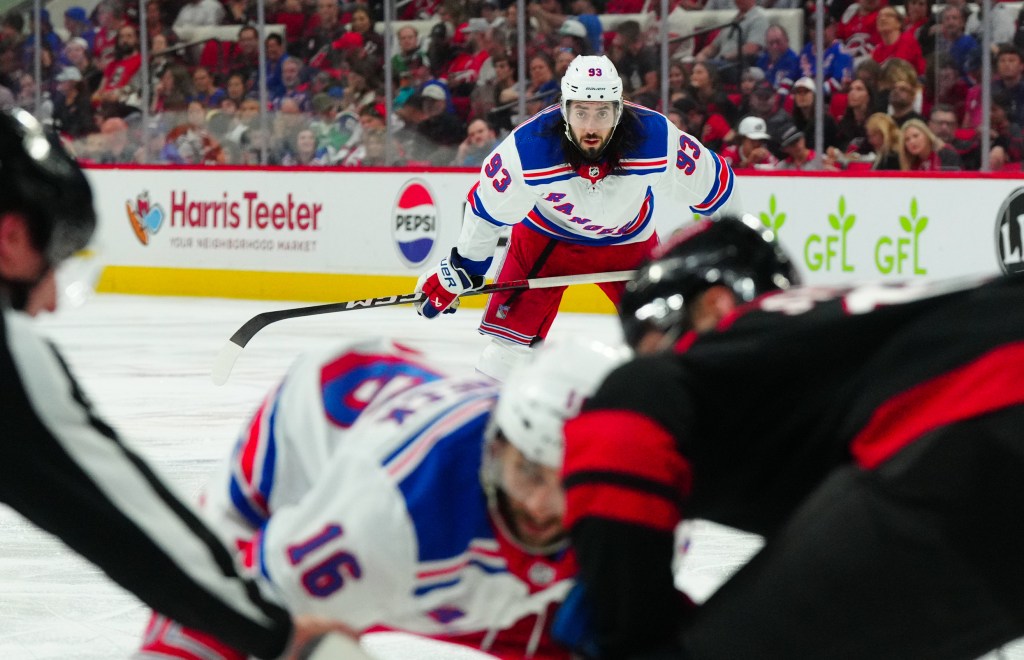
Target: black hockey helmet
[
  {"x": 739, "y": 254},
  {"x": 42, "y": 182}
]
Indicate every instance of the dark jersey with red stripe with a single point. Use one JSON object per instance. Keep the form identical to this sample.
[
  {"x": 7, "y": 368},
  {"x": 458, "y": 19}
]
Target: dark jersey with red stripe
[{"x": 740, "y": 425}]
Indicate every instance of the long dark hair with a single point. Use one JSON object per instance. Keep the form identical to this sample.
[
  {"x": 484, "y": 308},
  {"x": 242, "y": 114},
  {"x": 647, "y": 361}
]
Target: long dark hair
[{"x": 626, "y": 136}]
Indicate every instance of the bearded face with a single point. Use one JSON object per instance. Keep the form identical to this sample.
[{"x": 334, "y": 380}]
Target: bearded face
[
  {"x": 591, "y": 124},
  {"x": 127, "y": 43}
]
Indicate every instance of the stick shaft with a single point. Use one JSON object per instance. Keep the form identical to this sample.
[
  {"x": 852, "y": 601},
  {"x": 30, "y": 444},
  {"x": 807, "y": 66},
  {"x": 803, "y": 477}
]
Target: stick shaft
[
  {"x": 229, "y": 353},
  {"x": 245, "y": 333}
]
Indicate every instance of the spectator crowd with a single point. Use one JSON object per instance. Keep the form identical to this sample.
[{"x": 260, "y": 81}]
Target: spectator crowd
[{"x": 902, "y": 82}]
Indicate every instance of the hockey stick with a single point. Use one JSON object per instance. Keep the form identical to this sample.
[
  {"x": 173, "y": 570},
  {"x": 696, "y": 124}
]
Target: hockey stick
[{"x": 229, "y": 353}]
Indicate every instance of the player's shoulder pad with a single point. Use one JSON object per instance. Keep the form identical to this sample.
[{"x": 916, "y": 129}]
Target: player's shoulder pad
[
  {"x": 537, "y": 140},
  {"x": 652, "y": 128},
  {"x": 654, "y": 386}
]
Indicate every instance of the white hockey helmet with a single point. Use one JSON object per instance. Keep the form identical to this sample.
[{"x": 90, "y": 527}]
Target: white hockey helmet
[
  {"x": 592, "y": 78},
  {"x": 549, "y": 388}
]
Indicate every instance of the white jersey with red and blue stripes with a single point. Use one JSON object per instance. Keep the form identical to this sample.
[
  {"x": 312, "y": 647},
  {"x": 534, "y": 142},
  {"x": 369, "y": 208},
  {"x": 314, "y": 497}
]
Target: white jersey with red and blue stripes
[
  {"x": 527, "y": 179},
  {"x": 355, "y": 494},
  {"x": 288, "y": 440},
  {"x": 397, "y": 532}
]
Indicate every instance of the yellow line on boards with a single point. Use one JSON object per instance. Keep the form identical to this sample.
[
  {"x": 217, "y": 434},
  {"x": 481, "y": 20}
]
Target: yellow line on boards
[{"x": 302, "y": 287}]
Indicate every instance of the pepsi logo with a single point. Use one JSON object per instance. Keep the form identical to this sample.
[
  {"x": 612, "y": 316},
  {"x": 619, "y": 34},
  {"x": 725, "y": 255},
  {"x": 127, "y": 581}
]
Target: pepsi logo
[{"x": 414, "y": 223}]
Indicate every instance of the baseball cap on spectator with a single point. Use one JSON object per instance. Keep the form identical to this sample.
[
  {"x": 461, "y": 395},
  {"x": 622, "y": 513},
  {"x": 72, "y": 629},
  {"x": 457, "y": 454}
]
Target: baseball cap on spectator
[
  {"x": 573, "y": 28},
  {"x": 754, "y": 128},
  {"x": 435, "y": 92},
  {"x": 764, "y": 88},
  {"x": 77, "y": 14},
  {"x": 77, "y": 41},
  {"x": 804, "y": 83},
  {"x": 791, "y": 135},
  {"x": 348, "y": 41},
  {"x": 753, "y": 73},
  {"x": 477, "y": 25},
  {"x": 69, "y": 73}
]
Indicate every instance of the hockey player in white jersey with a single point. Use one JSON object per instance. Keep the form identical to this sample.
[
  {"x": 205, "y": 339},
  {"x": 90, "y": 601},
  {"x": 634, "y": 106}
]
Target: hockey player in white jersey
[
  {"x": 290, "y": 438},
  {"x": 435, "y": 513},
  {"x": 578, "y": 183}
]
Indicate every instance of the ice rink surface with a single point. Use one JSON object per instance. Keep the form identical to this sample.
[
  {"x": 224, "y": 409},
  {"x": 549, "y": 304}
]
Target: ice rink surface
[{"x": 146, "y": 364}]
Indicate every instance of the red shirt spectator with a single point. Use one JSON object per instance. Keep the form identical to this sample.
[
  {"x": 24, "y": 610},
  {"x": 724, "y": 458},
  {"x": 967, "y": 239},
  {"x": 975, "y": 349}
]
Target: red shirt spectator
[
  {"x": 858, "y": 28},
  {"x": 419, "y": 9},
  {"x": 292, "y": 18},
  {"x": 895, "y": 43},
  {"x": 716, "y": 130},
  {"x": 467, "y": 68},
  {"x": 119, "y": 83},
  {"x": 918, "y": 16},
  {"x": 110, "y": 19}
]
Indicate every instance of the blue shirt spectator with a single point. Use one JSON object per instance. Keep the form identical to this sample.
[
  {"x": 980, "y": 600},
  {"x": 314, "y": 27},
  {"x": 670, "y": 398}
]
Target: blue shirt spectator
[
  {"x": 837, "y": 64},
  {"x": 952, "y": 41},
  {"x": 49, "y": 38},
  {"x": 77, "y": 24},
  {"x": 585, "y": 12},
  {"x": 779, "y": 62},
  {"x": 204, "y": 91},
  {"x": 292, "y": 87},
  {"x": 276, "y": 56}
]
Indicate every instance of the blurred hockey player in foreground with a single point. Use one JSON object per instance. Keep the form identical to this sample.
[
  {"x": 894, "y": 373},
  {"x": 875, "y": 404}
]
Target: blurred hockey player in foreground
[
  {"x": 371, "y": 490},
  {"x": 699, "y": 276},
  {"x": 64, "y": 468},
  {"x": 577, "y": 183},
  {"x": 871, "y": 435}
]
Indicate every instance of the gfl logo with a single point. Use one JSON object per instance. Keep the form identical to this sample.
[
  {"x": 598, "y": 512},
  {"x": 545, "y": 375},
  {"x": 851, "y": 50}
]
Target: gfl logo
[{"x": 897, "y": 254}]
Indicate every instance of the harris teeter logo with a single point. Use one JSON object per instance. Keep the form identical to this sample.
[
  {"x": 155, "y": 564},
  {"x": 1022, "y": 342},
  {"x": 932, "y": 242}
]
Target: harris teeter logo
[
  {"x": 145, "y": 218},
  {"x": 414, "y": 223}
]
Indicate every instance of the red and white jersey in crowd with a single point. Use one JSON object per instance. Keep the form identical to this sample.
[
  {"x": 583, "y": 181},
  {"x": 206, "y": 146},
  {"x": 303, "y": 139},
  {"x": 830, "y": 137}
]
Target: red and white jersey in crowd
[
  {"x": 121, "y": 74},
  {"x": 103, "y": 48},
  {"x": 289, "y": 439},
  {"x": 526, "y": 179},
  {"x": 859, "y": 32},
  {"x": 470, "y": 69}
]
